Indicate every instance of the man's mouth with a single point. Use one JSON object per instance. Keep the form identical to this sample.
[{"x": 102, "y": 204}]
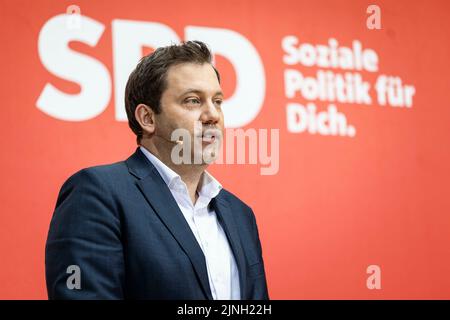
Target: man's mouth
[{"x": 209, "y": 136}]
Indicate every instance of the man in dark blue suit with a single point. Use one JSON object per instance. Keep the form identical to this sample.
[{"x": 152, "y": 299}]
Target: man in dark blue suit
[{"x": 152, "y": 227}]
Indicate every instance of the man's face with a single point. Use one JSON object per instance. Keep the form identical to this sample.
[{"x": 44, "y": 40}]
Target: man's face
[{"x": 193, "y": 93}]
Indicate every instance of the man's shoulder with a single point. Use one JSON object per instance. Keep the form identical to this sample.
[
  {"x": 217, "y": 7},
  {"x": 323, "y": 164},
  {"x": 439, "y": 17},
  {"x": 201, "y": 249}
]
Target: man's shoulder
[
  {"x": 106, "y": 169},
  {"x": 100, "y": 174}
]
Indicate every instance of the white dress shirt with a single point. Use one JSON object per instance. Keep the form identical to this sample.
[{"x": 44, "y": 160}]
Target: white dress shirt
[{"x": 223, "y": 274}]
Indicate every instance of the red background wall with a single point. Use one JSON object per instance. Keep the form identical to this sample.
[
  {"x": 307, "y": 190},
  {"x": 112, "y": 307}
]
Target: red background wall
[{"x": 337, "y": 204}]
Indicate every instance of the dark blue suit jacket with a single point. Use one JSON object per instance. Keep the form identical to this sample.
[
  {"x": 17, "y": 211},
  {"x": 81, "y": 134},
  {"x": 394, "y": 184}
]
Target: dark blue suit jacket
[{"x": 121, "y": 225}]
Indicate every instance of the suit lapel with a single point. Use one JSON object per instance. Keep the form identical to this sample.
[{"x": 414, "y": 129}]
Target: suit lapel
[
  {"x": 160, "y": 198},
  {"x": 224, "y": 214}
]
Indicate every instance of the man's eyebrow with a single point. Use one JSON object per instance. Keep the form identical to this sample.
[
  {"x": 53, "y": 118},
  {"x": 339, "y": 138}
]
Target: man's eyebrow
[{"x": 199, "y": 92}]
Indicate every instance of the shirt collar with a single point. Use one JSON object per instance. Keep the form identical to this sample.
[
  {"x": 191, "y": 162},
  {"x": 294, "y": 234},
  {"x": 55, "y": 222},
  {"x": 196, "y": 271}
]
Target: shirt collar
[
  {"x": 168, "y": 175},
  {"x": 208, "y": 187}
]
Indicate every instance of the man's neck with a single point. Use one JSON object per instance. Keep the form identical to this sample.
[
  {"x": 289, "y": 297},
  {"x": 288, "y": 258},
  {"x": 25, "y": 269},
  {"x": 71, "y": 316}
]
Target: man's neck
[{"x": 190, "y": 174}]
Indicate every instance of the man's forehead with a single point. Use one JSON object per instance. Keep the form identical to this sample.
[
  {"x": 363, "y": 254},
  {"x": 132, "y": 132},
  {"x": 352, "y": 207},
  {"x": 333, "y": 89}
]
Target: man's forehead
[{"x": 192, "y": 77}]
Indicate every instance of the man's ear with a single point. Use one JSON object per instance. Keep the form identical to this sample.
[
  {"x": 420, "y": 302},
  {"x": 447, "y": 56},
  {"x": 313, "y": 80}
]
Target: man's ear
[{"x": 146, "y": 118}]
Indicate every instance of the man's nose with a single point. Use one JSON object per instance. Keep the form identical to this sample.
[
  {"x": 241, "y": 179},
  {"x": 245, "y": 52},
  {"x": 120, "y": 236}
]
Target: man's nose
[{"x": 211, "y": 113}]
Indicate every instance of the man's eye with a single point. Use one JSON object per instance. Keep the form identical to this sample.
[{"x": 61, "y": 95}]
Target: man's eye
[
  {"x": 218, "y": 102},
  {"x": 192, "y": 101}
]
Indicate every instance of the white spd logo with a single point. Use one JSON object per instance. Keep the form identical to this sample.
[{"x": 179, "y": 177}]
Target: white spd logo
[{"x": 128, "y": 37}]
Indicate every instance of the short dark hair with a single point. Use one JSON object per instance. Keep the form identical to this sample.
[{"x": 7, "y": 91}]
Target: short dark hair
[{"x": 147, "y": 81}]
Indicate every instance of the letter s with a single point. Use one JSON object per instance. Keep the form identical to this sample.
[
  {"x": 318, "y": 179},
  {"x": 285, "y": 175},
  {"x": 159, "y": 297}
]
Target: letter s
[{"x": 92, "y": 76}]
